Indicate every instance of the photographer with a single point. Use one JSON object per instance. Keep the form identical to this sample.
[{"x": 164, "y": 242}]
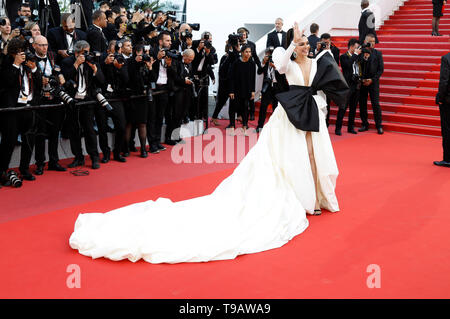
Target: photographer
[
  {"x": 7, "y": 34},
  {"x": 62, "y": 39},
  {"x": 242, "y": 86},
  {"x": 95, "y": 36},
  {"x": 22, "y": 83},
  {"x": 48, "y": 121},
  {"x": 23, "y": 15},
  {"x": 373, "y": 68},
  {"x": 205, "y": 59},
  {"x": 273, "y": 83},
  {"x": 351, "y": 69},
  {"x": 181, "y": 70},
  {"x": 86, "y": 77},
  {"x": 140, "y": 75},
  {"x": 164, "y": 82},
  {"x": 183, "y": 39},
  {"x": 115, "y": 70}
]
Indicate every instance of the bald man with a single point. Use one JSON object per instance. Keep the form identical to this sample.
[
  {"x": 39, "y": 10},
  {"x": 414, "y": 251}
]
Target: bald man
[{"x": 49, "y": 121}]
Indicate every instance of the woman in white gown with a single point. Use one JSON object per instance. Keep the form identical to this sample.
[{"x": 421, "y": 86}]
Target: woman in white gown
[{"x": 261, "y": 206}]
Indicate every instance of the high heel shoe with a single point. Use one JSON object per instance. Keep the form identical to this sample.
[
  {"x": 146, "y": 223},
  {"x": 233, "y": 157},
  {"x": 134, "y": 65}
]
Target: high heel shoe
[
  {"x": 214, "y": 122},
  {"x": 317, "y": 212}
]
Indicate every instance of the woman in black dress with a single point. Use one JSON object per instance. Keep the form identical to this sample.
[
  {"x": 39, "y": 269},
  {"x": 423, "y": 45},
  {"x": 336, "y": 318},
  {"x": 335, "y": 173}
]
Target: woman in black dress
[{"x": 437, "y": 14}]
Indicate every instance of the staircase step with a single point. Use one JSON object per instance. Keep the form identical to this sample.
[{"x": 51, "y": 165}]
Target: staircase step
[
  {"x": 411, "y": 58},
  {"x": 399, "y": 118},
  {"x": 409, "y": 47},
  {"x": 425, "y": 67},
  {"x": 409, "y": 31},
  {"x": 413, "y": 74},
  {"x": 425, "y": 39},
  {"x": 407, "y": 99},
  {"x": 409, "y": 82},
  {"x": 408, "y": 90}
]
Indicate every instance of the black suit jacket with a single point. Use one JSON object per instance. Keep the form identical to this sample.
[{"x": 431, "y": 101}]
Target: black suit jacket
[
  {"x": 367, "y": 25},
  {"x": 10, "y": 77},
  {"x": 283, "y": 84},
  {"x": 274, "y": 41},
  {"x": 443, "y": 95},
  {"x": 92, "y": 82},
  {"x": 375, "y": 67},
  {"x": 96, "y": 39},
  {"x": 347, "y": 61},
  {"x": 57, "y": 38}
]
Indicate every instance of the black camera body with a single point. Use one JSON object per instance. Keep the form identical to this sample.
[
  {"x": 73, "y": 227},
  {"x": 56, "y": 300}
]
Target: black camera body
[
  {"x": 185, "y": 35},
  {"x": 30, "y": 56},
  {"x": 57, "y": 90},
  {"x": 173, "y": 54},
  {"x": 92, "y": 57},
  {"x": 235, "y": 38},
  {"x": 119, "y": 58}
]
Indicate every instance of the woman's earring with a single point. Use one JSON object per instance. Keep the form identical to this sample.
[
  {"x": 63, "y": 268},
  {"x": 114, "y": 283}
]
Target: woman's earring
[{"x": 294, "y": 55}]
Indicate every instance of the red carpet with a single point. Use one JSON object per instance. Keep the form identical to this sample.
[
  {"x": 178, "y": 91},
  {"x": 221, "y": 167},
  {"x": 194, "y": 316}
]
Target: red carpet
[{"x": 394, "y": 213}]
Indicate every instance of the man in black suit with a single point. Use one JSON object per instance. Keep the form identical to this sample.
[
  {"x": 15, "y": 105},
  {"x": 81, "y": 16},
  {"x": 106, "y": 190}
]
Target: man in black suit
[
  {"x": 313, "y": 38},
  {"x": 443, "y": 100},
  {"x": 243, "y": 41},
  {"x": 278, "y": 37},
  {"x": 351, "y": 70},
  {"x": 366, "y": 22},
  {"x": 18, "y": 9},
  {"x": 62, "y": 39},
  {"x": 86, "y": 77},
  {"x": 95, "y": 36},
  {"x": 437, "y": 14},
  {"x": 22, "y": 83},
  {"x": 372, "y": 69},
  {"x": 273, "y": 83}
]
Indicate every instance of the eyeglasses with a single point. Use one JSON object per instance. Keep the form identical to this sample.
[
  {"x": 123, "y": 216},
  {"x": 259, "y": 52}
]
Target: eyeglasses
[{"x": 42, "y": 45}]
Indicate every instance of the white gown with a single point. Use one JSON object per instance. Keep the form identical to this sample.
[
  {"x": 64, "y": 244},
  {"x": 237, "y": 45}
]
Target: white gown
[{"x": 261, "y": 206}]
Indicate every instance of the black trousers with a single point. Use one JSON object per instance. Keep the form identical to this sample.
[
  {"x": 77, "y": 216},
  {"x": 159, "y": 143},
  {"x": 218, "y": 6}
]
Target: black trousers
[
  {"x": 49, "y": 124},
  {"x": 267, "y": 98},
  {"x": 373, "y": 91},
  {"x": 444, "y": 110},
  {"x": 174, "y": 114},
  {"x": 117, "y": 114},
  {"x": 199, "y": 107},
  {"x": 157, "y": 109},
  {"x": 239, "y": 105},
  {"x": 82, "y": 118},
  {"x": 101, "y": 119},
  {"x": 352, "y": 103},
  {"x": 222, "y": 97},
  {"x": 12, "y": 124}
]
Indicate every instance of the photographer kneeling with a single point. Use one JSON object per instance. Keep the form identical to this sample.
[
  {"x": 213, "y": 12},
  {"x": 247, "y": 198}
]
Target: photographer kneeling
[{"x": 22, "y": 83}]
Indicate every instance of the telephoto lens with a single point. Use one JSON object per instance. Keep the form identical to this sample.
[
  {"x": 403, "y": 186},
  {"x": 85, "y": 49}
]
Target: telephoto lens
[
  {"x": 103, "y": 102},
  {"x": 14, "y": 179}
]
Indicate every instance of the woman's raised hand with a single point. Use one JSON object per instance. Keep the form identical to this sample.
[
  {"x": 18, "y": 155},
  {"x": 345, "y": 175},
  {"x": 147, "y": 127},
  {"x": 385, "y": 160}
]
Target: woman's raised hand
[{"x": 297, "y": 33}]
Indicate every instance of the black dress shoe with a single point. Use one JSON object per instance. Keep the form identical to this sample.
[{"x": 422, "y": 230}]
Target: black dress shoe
[
  {"x": 258, "y": 129},
  {"x": 39, "y": 169},
  {"x": 119, "y": 158},
  {"x": 352, "y": 131},
  {"x": 154, "y": 149},
  {"x": 338, "y": 132},
  {"x": 160, "y": 147},
  {"x": 56, "y": 167},
  {"x": 363, "y": 129},
  {"x": 442, "y": 163},
  {"x": 144, "y": 154},
  {"x": 26, "y": 175},
  {"x": 380, "y": 130},
  {"x": 170, "y": 142},
  {"x": 76, "y": 163},
  {"x": 106, "y": 157},
  {"x": 126, "y": 154},
  {"x": 95, "y": 163}
]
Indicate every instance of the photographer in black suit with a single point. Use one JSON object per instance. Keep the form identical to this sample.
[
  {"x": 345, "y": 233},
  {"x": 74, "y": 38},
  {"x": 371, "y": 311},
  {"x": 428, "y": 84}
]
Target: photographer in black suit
[
  {"x": 273, "y": 83},
  {"x": 443, "y": 100},
  {"x": 372, "y": 69},
  {"x": 48, "y": 121},
  {"x": 85, "y": 76},
  {"x": 277, "y": 37},
  {"x": 62, "y": 39},
  {"x": 366, "y": 22},
  {"x": 351, "y": 69},
  {"x": 21, "y": 85},
  {"x": 205, "y": 59},
  {"x": 437, "y": 14}
]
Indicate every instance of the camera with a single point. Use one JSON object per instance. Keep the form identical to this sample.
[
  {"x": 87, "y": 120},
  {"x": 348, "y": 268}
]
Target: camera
[
  {"x": 173, "y": 54},
  {"x": 194, "y": 26},
  {"x": 185, "y": 34},
  {"x": 234, "y": 39},
  {"x": 30, "y": 56},
  {"x": 56, "y": 90},
  {"x": 150, "y": 91},
  {"x": 171, "y": 15},
  {"x": 2, "y": 22},
  {"x": 206, "y": 41},
  {"x": 102, "y": 100},
  {"x": 14, "y": 179},
  {"x": 92, "y": 57},
  {"x": 322, "y": 45},
  {"x": 146, "y": 58},
  {"x": 119, "y": 58}
]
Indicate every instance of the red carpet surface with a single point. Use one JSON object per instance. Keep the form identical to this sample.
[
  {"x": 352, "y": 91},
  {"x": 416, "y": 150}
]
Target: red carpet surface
[{"x": 394, "y": 214}]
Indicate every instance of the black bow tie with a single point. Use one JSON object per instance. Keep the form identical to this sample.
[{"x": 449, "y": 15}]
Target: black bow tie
[
  {"x": 39, "y": 59},
  {"x": 70, "y": 34},
  {"x": 279, "y": 31}
]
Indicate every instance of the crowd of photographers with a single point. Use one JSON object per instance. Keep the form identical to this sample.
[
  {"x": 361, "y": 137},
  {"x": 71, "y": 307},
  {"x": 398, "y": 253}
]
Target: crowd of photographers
[{"x": 139, "y": 69}]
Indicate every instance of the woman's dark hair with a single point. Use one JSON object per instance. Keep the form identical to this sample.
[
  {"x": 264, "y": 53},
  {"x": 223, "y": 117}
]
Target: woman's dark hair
[
  {"x": 118, "y": 21},
  {"x": 245, "y": 47},
  {"x": 137, "y": 48},
  {"x": 16, "y": 45},
  {"x": 289, "y": 37}
]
